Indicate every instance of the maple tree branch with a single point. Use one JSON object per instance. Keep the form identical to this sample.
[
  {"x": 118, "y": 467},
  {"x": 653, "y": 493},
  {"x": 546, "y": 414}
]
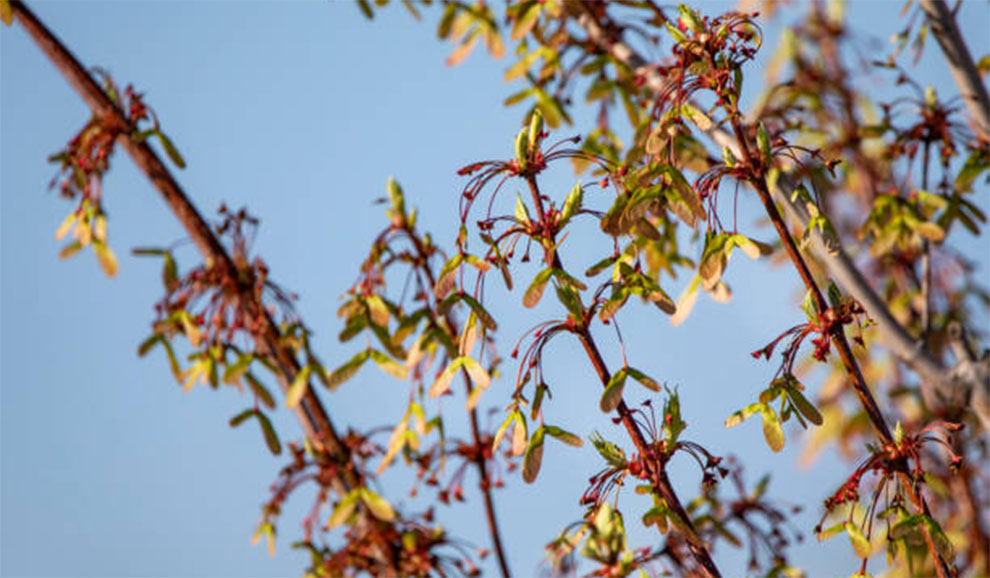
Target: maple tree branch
[
  {"x": 312, "y": 416},
  {"x": 661, "y": 481},
  {"x": 936, "y": 383},
  {"x": 967, "y": 77}
]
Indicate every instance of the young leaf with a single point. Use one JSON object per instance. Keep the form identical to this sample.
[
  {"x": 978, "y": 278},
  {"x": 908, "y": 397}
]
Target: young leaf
[
  {"x": 170, "y": 150},
  {"x": 807, "y": 409},
  {"x": 447, "y": 276},
  {"x": 612, "y": 395},
  {"x": 613, "y": 454},
  {"x": 478, "y": 374},
  {"x": 743, "y": 414},
  {"x": 483, "y": 315},
  {"x": 772, "y": 430},
  {"x": 298, "y": 388},
  {"x": 572, "y": 204},
  {"x": 564, "y": 436},
  {"x": 522, "y": 213},
  {"x": 379, "y": 506},
  {"x": 534, "y": 457},
  {"x": 346, "y": 371},
  {"x": 644, "y": 380},
  {"x": 241, "y": 417},
  {"x": 271, "y": 438},
  {"x": 519, "y": 435},
  {"x": 442, "y": 383},
  {"x": 859, "y": 542},
  {"x": 108, "y": 261},
  {"x": 535, "y": 290},
  {"x": 388, "y": 365},
  {"x": 344, "y": 508}
]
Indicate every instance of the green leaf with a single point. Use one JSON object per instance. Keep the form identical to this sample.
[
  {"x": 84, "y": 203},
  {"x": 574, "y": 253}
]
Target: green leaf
[
  {"x": 600, "y": 266},
  {"x": 442, "y": 383},
  {"x": 170, "y": 150},
  {"x": 564, "y": 436},
  {"x": 148, "y": 343},
  {"x": 743, "y": 414},
  {"x": 645, "y": 380},
  {"x": 259, "y": 390},
  {"x": 859, "y": 542},
  {"x": 365, "y": 7},
  {"x": 106, "y": 258},
  {"x": 534, "y": 457},
  {"x": 344, "y": 508},
  {"x": 572, "y": 204},
  {"x": 298, "y": 388},
  {"x": 241, "y": 417},
  {"x": 807, "y": 409},
  {"x": 522, "y": 213},
  {"x": 612, "y": 396},
  {"x": 271, "y": 438},
  {"x": 525, "y": 20},
  {"x": 763, "y": 143},
  {"x": 478, "y": 374},
  {"x": 535, "y": 290},
  {"x": 772, "y": 430},
  {"x": 236, "y": 370},
  {"x": 346, "y": 371},
  {"x": 483, "y": 315},
  {"x": 377, "y": 505},
  {"x": 447, "y": 276},
  {"x": 613, "y": 454},
  {"x": 388, "y": 365}
]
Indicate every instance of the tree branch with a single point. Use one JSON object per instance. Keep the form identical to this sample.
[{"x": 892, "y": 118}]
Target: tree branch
[
  {"x": 967, "y": 77},
  {"x": 310, "y": 413},
  {"x": 938, "y": 387},
  {"x": 661, "y": 482}
]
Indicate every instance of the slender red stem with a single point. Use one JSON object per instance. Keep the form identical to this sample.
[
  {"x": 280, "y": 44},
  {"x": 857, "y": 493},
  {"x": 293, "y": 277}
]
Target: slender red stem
[{"x": 661, "y": 482}]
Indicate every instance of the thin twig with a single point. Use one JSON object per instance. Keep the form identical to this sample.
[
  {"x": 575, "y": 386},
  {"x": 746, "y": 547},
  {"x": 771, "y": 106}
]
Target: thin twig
[
  {"x": 479, "y": 460},
  {"x": 660, "y": 480}
]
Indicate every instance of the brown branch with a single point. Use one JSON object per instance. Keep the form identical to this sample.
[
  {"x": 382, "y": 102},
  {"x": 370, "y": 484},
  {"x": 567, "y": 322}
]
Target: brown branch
[
  {"x": 658, "y": 473},
  {"x": 967, "y": 77},
  {"x": 829, "y": 250},
  {"x": 939, "y": 386},
  {"x": 842, "y": 345},
  {"x": 310, "y": 413}
]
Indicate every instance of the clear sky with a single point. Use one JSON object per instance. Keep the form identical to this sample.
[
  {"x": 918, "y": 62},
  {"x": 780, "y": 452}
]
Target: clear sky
[{"x": 300, "y": 111}]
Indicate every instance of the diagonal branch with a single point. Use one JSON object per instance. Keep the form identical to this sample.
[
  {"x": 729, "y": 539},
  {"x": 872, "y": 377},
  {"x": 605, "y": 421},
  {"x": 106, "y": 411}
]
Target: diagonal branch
[
  {"x": 967, "y": 77},
  {"x": 311, "y": 414},
  {"x": 936, "y": 383}
]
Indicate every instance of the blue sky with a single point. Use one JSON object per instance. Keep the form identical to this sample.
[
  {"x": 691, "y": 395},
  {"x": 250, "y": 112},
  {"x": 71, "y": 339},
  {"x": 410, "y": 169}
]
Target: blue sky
[{"x": 300, "y": 111}]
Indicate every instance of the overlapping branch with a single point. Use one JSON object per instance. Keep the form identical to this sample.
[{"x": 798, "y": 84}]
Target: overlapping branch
[
  {"x": 964, "y": 72},
  {"x": 939, "y": 384}
]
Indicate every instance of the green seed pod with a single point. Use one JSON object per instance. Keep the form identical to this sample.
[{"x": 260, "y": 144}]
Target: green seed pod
[
  {"x": 522, "y": 152},
  {"x": 728, "y": 157},
  {"x": 535, "y": 129},
  {"x": 395, "y": 195}
]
